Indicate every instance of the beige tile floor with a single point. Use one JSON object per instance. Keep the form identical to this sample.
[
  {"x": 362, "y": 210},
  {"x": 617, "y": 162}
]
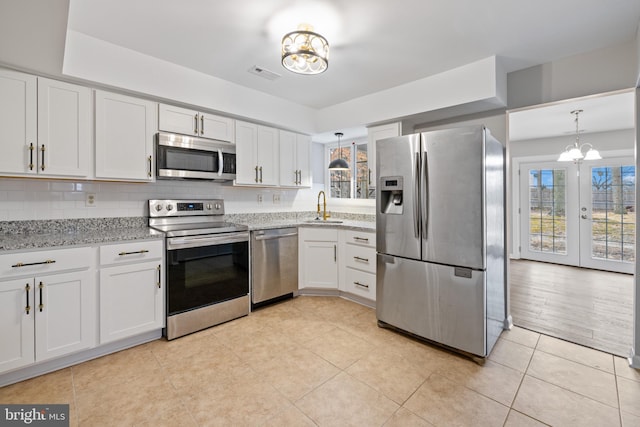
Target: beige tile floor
[{"x": 324, "y": 361}]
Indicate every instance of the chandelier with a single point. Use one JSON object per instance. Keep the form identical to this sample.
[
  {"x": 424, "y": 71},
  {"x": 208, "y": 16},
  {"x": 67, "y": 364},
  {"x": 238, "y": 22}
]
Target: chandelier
[
  {"x": 305, "y": 52},
  {"x": 575, "y": 153}
]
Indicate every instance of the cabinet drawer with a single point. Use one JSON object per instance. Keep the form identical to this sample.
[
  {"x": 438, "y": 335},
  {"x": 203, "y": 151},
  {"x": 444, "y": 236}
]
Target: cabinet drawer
[
  {"x": 361, "y": 258},
  {"x": 360, "y": 238},
  {"x": 45, "y": 262},
  {"x": 130, "y": 252},
  {"x": 319, "y": 234},
  {"x": 361, "y": 283}
]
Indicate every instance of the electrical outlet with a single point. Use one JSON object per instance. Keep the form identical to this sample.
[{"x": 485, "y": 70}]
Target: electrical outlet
[
  {"x": 90, "y": 201},
  {"x": 276, "y": 199},
  {"x": 259, "y": 199}
]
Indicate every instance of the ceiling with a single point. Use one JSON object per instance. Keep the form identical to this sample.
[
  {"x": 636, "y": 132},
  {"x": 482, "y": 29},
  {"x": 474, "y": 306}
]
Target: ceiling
[{"x": 375, "y": 45}]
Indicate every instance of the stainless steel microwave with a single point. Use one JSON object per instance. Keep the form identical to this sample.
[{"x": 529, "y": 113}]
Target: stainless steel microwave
[{"x": 183, "y": 157}]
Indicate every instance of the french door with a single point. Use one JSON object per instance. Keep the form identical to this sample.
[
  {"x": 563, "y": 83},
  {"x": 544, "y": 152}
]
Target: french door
[{"x": 579, "y": 214}]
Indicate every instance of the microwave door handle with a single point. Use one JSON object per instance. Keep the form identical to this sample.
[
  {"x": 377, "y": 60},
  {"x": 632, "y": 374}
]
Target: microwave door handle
[{"x": 220, "y": 162}]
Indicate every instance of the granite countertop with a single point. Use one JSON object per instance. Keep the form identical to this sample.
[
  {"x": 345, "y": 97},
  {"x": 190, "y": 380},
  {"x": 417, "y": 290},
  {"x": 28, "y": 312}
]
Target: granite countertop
[
  {"x": 40, "y": 234},
  {"x": 21, "y": 235}
]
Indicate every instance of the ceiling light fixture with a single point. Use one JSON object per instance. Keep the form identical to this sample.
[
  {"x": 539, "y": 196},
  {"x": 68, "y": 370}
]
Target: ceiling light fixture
[
  {"x": 305, "y": 52},
  {"x": 339, "y": 163},
  {"x": 573, "y": 153}
]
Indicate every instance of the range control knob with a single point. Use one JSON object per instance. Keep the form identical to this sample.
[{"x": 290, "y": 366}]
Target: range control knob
[
  {"x": 158, "y": 208},
  {"x": 217, "y": 206},
  {"x": 169, "y": 207},
  {"x": 209, "y": 207}
]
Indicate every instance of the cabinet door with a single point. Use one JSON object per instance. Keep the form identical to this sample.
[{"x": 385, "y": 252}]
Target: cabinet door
[
  {"x": 125, "y": 129},
  {"x": 131, "y": 300},
  {"x": 375, "y": 133},
  {"x": 318, "y": 265},
  {"x": 178, "y": 120},
  {"x": 216, "y": 127},
  {"x": 64, "y": 128},
  {"x": 303, "y": 160},
  {"x": 268, "y": 156},
  {"x": 16, "y": 323},
  {"x": 288, "y": 163},
  {"x": 17, "y": 122},
  {"x": 247, "y": 153},
  {"x": 65, "y": 313}
]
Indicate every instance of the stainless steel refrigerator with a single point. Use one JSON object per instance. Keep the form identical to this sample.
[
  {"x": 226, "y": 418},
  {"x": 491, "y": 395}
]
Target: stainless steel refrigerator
[{"x": 440, "y": 237}]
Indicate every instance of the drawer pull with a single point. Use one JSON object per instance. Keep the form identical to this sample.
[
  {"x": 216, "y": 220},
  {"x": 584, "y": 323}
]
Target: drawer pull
[
  {"x": 159, "y": 268},
  {"x": 361, "y": 239},
  {"x": 28, "y": 307},
  {"x": 143, "y": 251},
  {"x": 41, "y": 306},
  {"x": 357, "y": 258},
  {"x": 27, "y": 264},
  {"x": 361, "y": 284}
]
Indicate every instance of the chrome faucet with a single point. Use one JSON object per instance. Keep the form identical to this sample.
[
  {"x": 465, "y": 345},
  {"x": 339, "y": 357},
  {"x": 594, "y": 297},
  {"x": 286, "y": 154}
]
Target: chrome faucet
[{"x": 324, "y": 206}]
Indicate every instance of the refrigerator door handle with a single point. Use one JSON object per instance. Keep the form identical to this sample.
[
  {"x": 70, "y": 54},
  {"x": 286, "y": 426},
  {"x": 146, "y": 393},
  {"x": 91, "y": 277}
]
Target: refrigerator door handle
[
  {"x": 416, "y": 198},
  {"x": 425, "y": 194}
]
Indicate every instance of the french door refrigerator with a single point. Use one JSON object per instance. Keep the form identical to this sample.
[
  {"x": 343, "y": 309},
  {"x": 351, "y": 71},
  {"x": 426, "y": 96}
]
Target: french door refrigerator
[{"x": 440, "y": 237}]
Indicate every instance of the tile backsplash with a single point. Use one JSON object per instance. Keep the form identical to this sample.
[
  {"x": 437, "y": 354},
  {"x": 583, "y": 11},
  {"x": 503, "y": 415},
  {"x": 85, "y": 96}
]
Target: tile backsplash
[{"x": 29, "y": 199}]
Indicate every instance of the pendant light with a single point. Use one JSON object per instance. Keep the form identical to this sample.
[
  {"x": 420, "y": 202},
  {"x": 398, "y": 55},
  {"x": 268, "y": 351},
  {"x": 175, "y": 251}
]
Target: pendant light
[
  {"x": 339, "y": 163},
  {"x": 574, "y": 153}
]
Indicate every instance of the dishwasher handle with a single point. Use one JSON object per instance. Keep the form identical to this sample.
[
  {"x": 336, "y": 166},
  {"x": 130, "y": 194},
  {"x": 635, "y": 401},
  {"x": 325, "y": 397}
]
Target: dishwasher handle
[{"x": 275, "y": 236}]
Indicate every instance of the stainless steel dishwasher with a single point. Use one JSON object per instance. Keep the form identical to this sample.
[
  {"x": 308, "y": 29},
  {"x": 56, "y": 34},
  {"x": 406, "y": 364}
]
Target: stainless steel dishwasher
[{"x": 274, "y": 263}]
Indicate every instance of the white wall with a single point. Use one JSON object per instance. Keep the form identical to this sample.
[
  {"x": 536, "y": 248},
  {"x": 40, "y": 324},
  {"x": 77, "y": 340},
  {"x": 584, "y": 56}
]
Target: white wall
[
  {"x": 495, "y": 121},
  {"x": 602, "y": 141}
]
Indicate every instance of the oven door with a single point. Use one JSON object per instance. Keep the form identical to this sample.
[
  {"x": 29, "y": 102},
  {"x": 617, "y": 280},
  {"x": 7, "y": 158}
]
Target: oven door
[{"x": 205, "y": 270}]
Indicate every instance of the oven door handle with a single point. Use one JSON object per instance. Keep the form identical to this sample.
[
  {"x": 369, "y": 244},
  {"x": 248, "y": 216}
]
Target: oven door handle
[{"x": 208, "y": 240}]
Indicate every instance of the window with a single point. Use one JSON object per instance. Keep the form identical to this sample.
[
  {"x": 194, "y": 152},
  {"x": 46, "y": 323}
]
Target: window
[{"x": 354, "y": 183}]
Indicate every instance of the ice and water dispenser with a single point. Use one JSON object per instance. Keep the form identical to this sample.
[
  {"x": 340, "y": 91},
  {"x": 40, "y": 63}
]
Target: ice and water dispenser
[{"x": 391, "y": 197}]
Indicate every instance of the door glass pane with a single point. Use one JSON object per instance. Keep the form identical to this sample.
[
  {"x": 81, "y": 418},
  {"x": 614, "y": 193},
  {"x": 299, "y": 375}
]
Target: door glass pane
[
  {"x": 547, "y": 211},
  {"x": 613, "y": 214}
]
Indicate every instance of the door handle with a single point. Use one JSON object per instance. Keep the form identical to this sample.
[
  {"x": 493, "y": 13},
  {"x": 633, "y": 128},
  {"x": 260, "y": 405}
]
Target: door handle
[
  {"x": 425, "y": 194},
  {"x": 196, "y": 128},
  {"x": 42, "y": 151},
  {"x": 260, "y": 173},
  {"x": 41, "y": 306},
  {"x": 27, "y": 307},
  {"x": 159, "y": 268},
  {"x": 150, "y": 160},
  {"x": 201, "y": 124},
  {"x": 31, "y": 156},
  {"x": 416, "y": 198},
  {"x": 335, "y": 253},
  {"x": 583, "y": 216},
  {"x": 257, "y": 173}
]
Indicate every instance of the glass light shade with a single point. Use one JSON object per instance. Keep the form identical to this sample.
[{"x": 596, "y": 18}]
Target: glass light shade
[
  {"x": 575, "y": 153},
  {"x": 305, "y": 52},
  {"x": 338, "y": 164},
  {"x": 565, "y": 157},
  {"x": 592, "y": 154}
]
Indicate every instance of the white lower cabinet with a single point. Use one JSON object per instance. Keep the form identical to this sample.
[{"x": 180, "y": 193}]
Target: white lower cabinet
[
  {"x": 339, "y": 260},
  {"x": 318, "y": 258},
  {"x": 131, "y": 289},
  {"x": 50, "y": 314}
]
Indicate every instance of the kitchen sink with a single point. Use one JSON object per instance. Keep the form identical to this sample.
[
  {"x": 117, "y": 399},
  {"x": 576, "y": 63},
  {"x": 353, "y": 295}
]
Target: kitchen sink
[{"x": 324, "y": 221}]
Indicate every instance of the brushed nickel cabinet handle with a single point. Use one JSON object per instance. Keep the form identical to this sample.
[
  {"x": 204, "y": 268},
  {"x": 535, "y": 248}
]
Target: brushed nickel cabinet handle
[
  {"x": 357, "y": 258},
  {"x": 202, "y": 124},
  {"x": 335, "y": 253},
  {"x": 142, "y": 251},
  {"x": 257, "y": 173},
  {"x": 159, "y": 268},
  {"x": 196, "y": 119},
  {"x": 31, "y": 156},
  {"x": 28, "y": 307},
  {"x": 260, "y": 173},
  {"x": 27, "y": 264},
  {"x": 150, "y": 160},
  {"x": 42, "y": 151},
  {"x": 41, "y": 306},
  {"x": 361, "y": 239},
  {"x": 361, "y": 284}
]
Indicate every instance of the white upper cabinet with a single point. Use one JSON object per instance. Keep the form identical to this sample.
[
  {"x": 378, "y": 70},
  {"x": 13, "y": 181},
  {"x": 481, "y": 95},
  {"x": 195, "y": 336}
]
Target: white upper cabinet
[
  {"x": 257, "y": 155},
  {"x": 295, "y": 162},
  {"x": 125, "y": 128},
  {"x": 375, "y": 133},
  {"x": 64, "y": 129},
  {"x": 191, "y": 122},
  {"x": 46, "y": 126}
]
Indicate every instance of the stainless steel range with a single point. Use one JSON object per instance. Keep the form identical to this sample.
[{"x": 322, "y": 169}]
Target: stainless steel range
[{"x": 207, "y": 264}]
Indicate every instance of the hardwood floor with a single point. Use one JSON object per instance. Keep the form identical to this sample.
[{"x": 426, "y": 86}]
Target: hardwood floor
[{"x": 588, "y": 307}]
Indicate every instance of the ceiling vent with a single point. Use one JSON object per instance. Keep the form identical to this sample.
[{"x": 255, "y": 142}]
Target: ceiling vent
[{"x": 264, "y": 73}]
